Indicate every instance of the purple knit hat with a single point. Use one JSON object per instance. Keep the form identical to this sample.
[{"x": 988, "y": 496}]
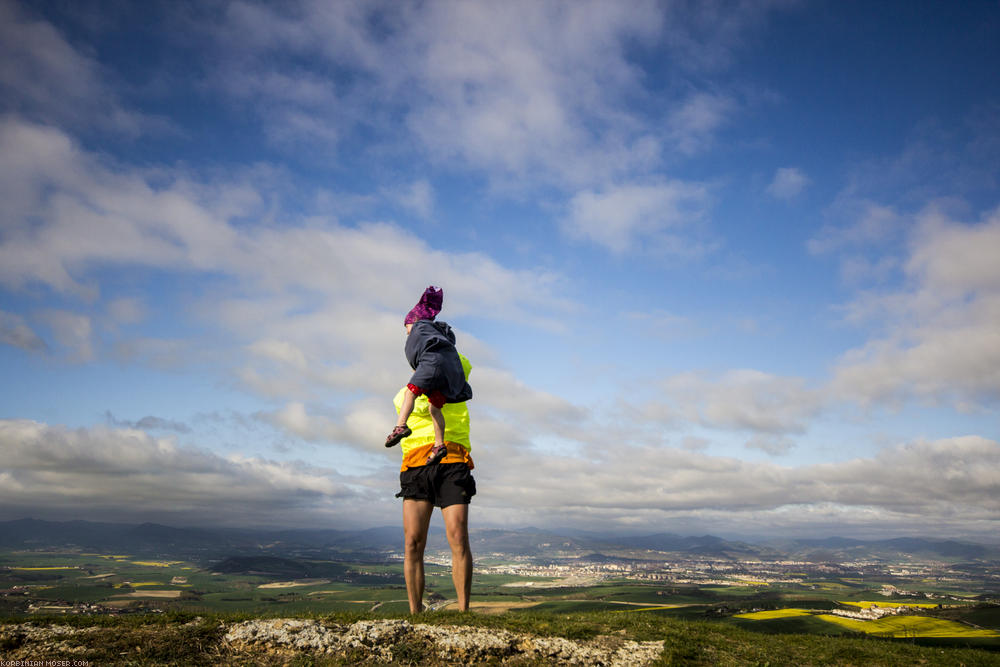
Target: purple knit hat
[{"x": 428, "y": 307}]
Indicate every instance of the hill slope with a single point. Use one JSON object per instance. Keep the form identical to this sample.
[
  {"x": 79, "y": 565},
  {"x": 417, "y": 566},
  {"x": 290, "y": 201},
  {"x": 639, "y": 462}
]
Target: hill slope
[{"x": 448, "y": 639}]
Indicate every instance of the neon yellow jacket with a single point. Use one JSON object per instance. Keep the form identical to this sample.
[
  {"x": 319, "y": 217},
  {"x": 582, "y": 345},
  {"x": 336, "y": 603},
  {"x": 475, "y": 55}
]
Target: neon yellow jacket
[{"x": 418, "y": 444}]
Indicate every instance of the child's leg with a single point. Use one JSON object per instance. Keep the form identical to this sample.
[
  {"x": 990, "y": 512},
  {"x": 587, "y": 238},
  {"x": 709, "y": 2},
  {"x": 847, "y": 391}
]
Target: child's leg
[
  {"x": 438, "y": 418},
  {"x": 406, "y": 408}
]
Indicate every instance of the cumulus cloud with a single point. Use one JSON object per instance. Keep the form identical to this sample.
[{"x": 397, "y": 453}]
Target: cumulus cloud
[
  {"x": 942, "y": 339},
  {"x": 788, "y": 183},
  {"x": 302, "y": 290},
  {"x": 507, "y": 414},
  {"x": 939, "y": 486},
  {"x": 91, "y": 214},
  {"x": 512, "y": 89},
  {"x": 744, "y": 399},
  {"x": 149, "y": 423},
  {"x": 949, "y": 485},
  {"x": 619, "y": 218},
  {"x": 125, "y": 474},
  {"x": 357, "y": 425},
  {"x": 523, "y": 91}
]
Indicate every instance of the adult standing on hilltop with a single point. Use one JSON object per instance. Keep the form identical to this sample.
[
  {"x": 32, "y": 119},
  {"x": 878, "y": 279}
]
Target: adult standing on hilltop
[{"x": 443, "y": 480}]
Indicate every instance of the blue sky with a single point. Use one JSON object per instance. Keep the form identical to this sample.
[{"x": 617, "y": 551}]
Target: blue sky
[{"x": 719, "y": 266}]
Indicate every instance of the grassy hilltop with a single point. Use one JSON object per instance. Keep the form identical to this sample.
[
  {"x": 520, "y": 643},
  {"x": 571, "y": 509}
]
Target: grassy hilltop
[
  {"x": 183, "y": 639},
  {"x": 630, "y": 605}
]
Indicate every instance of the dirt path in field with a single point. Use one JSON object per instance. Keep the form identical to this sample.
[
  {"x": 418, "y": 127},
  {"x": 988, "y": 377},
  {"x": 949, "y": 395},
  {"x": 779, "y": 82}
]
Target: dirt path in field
[{"x": 489, "y": 607}]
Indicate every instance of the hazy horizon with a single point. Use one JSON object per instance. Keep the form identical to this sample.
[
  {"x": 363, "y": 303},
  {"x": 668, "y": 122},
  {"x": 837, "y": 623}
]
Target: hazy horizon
[
  {"x": 438, "y": 527},
  {"x": 720, "y": 268}
]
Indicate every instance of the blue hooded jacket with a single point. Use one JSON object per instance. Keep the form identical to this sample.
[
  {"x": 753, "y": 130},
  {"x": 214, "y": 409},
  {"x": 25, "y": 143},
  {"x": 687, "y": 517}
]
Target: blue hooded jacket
[{"x": 430, "y": 350}]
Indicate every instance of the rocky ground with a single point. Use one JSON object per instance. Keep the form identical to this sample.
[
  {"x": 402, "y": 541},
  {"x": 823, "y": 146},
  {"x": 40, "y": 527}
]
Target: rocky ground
[{"x": 280, "y": 641}]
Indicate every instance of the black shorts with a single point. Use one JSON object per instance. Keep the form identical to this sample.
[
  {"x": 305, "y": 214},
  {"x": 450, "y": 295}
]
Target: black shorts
[{"x": 443, "y": 484}]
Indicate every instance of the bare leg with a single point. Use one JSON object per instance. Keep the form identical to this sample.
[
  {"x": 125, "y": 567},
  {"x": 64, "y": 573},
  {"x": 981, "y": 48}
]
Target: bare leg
[
  {"x": 416, "y": 519},
  {"x": 406, "y": 408},
  {"x": 438, "y": 418},
  {"x": 456, "y": 524}
]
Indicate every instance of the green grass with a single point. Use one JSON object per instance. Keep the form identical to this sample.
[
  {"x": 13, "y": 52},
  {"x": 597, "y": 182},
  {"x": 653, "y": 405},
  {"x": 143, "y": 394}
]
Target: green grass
[
  {"x": 570, "y": 606},
  {"x": 71, "y": 593},
  {"x": 578, "y": 613},
  {"x": 986, "y": 617},
  {"x": 180, "y": 639}
]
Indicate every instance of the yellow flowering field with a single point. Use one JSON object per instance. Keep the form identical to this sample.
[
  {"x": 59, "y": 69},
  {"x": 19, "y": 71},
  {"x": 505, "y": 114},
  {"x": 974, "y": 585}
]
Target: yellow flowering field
[
  {"x": 909, "y": 626},
  {"x": 773, "y": 613}
]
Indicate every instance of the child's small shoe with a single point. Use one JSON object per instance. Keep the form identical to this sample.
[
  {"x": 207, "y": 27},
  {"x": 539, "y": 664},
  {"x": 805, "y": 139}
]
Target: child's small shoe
[
  {"x": 438, "y": 453},
  {"x": 397, "y": 434}
]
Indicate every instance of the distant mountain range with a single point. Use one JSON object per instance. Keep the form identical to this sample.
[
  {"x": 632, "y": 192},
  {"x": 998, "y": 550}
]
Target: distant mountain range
[{"x": 212, "y": 545}]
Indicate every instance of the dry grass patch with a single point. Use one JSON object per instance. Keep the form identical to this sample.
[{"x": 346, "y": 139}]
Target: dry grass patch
[
  {"x": 297, "y": 582},
  {"x": 151, "y": 594}
]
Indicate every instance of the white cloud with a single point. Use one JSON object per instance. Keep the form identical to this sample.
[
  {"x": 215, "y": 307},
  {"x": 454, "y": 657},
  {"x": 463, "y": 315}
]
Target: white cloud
[
  {"x": 90, "y": 214},
  {"x": 620, "y": 218},
  {"x": 531, "y": 89},
  {"x": 742, "y": 400},
  {"x": 950, "y": 258},
  {"x": 361, "y": 425},
  {"x": 301, "y": 313},
  {"x": 524, "y": 91},
  {"x": 149, "y": 422},
  {"x": 124, "y": 474},
  {"x": 512, "y": 89},
  {"x": 515, "y": 400},
  {"x": 949, "y": 486},
  {"x": 942, "y": 340},
  {"x": 788, "y": 183}
]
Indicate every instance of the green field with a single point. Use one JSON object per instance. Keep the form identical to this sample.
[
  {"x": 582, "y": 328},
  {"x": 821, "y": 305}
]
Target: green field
[
  {"x": 182, "y": 639},
  {"x": 41, "y": 583}
]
